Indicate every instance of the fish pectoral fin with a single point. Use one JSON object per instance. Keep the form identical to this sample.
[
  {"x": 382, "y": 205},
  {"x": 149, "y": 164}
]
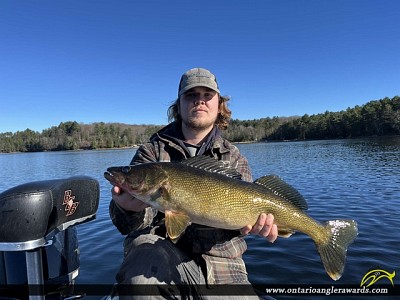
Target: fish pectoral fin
[
  {"x": 176, "y": 223},
  {"x": 285, "y": 232}
]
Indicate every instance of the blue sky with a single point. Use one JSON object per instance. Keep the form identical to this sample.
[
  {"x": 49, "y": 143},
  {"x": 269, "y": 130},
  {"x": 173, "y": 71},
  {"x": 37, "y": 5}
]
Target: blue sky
[{"x": 121, "y": 61}]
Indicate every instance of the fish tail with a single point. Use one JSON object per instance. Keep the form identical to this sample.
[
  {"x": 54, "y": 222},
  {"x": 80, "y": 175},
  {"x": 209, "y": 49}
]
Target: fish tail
[{"x": 340, "y": 234}]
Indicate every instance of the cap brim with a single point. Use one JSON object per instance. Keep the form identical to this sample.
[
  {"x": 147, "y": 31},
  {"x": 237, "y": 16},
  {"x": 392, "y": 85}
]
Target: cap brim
[{"x": 190, "y": 86}]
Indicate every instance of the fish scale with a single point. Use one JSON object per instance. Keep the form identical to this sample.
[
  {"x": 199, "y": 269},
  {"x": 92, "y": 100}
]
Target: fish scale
[
  {"x": 204, "y": 191},
  {"x": 250, "y": 199}
]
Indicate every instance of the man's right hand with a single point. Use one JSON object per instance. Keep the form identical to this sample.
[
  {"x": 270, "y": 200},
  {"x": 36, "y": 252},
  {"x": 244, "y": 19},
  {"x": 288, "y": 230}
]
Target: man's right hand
[{"x": 126, "y": 201}]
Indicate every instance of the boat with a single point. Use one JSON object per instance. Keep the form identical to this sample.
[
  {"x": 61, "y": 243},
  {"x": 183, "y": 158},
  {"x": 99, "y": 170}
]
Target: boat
[{"x": 39, "y": 249}]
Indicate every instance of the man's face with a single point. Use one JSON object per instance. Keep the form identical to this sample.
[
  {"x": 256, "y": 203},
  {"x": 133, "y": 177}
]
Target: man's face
[{"x": 199, "y": 108}]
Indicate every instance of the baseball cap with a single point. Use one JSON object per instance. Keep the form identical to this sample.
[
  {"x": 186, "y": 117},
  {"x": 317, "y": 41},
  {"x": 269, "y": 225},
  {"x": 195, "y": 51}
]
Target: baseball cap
[{"x": 197, "y": 77}]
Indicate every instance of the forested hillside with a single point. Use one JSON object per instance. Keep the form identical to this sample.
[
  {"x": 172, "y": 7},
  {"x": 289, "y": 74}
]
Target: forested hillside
[
  {"x": 73, "y": 136},
  {"x": 375, "y": 118}
]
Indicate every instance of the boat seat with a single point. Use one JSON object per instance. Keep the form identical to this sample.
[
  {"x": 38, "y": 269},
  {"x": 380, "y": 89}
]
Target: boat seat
[
  {"x": 32, "y": 213},
  {"x": 39, "y": 251}
]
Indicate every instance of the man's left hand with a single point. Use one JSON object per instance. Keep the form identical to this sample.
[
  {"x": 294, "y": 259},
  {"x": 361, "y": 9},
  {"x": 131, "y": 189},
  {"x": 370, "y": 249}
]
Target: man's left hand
[{"x": 264, "y": 227}]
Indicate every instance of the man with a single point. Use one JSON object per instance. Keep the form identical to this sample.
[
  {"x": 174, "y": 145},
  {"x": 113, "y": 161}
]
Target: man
[{"x": 203, "y": 256}]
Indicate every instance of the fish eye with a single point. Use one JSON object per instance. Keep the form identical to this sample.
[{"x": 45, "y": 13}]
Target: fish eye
[{"x": 126, "y": 169}]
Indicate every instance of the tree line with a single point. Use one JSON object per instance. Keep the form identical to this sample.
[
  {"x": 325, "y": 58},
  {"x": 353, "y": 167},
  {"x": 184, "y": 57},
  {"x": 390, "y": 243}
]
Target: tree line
[
  {"x": 72, "y": 135},
  {"x": 375, "y": 118}
]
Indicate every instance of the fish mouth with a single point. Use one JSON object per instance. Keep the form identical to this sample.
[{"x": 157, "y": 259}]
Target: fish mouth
[
  {"x": 110, "y": 177},
  {"x": 117, "y": 175}
]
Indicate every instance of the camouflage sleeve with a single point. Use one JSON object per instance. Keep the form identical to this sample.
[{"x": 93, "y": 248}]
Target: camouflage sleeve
[
  {"x": 146, "y": 153},
  {"x": 124, "y": 220},
  {"x": 128, "y": 221}
]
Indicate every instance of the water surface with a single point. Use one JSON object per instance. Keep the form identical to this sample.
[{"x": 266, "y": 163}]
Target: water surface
[{"x": 351, "y": 179}]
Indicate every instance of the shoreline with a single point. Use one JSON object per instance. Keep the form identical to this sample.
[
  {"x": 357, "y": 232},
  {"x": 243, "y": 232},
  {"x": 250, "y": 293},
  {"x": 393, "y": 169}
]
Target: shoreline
[
  {"x": 76, "y": 150},
  {"x": 246, "y": 142}
]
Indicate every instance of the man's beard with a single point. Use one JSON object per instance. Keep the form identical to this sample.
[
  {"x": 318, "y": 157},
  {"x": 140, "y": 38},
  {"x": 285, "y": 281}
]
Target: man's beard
[{"x": 198, "y": 124}]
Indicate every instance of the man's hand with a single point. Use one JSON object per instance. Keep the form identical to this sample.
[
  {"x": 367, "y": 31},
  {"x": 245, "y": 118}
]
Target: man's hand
[
  {"x": 264, "y": 227},
  {"x": 126, "y": 201}
]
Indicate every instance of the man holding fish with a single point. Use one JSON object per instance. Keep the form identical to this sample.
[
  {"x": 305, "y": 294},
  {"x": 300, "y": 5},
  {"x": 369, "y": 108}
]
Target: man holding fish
[{"x": 201, "y": 256}]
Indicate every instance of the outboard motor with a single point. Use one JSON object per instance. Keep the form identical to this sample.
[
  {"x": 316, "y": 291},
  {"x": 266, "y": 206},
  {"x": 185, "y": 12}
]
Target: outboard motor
[{"x": 39, "y": 254}]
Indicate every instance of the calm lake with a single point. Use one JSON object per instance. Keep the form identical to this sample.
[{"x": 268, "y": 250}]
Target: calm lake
[{"x": 351, "y": 179}]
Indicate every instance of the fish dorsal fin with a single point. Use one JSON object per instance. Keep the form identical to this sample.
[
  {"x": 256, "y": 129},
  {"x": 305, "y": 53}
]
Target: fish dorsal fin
[
  {"x": 280, "y": 188},
  {"x": 212, "y": 165}
]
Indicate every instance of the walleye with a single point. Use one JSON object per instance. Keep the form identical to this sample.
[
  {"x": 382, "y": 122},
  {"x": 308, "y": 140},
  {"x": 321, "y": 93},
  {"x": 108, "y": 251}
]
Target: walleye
[{"x": 205, "y": 191}]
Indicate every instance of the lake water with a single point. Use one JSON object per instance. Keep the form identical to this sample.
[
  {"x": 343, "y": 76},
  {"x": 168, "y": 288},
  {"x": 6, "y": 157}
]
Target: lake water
[{"x": 351, "y": 179}]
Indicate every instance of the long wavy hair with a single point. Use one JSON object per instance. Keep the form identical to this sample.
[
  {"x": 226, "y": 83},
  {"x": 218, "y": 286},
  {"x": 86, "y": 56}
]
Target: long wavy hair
[{"x": 223, "y": 117}]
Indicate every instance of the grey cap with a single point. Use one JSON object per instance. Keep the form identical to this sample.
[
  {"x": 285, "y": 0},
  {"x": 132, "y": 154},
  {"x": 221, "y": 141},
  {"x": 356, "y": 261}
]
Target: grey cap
[{"x": 197, "y": 77}]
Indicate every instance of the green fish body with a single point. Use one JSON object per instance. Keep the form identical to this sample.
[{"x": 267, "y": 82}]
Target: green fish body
[{"x": 205, "y": 191}]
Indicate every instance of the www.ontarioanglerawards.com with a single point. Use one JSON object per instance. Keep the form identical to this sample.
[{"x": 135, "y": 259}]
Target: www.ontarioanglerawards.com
[{"x": 326, "y": 291}]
